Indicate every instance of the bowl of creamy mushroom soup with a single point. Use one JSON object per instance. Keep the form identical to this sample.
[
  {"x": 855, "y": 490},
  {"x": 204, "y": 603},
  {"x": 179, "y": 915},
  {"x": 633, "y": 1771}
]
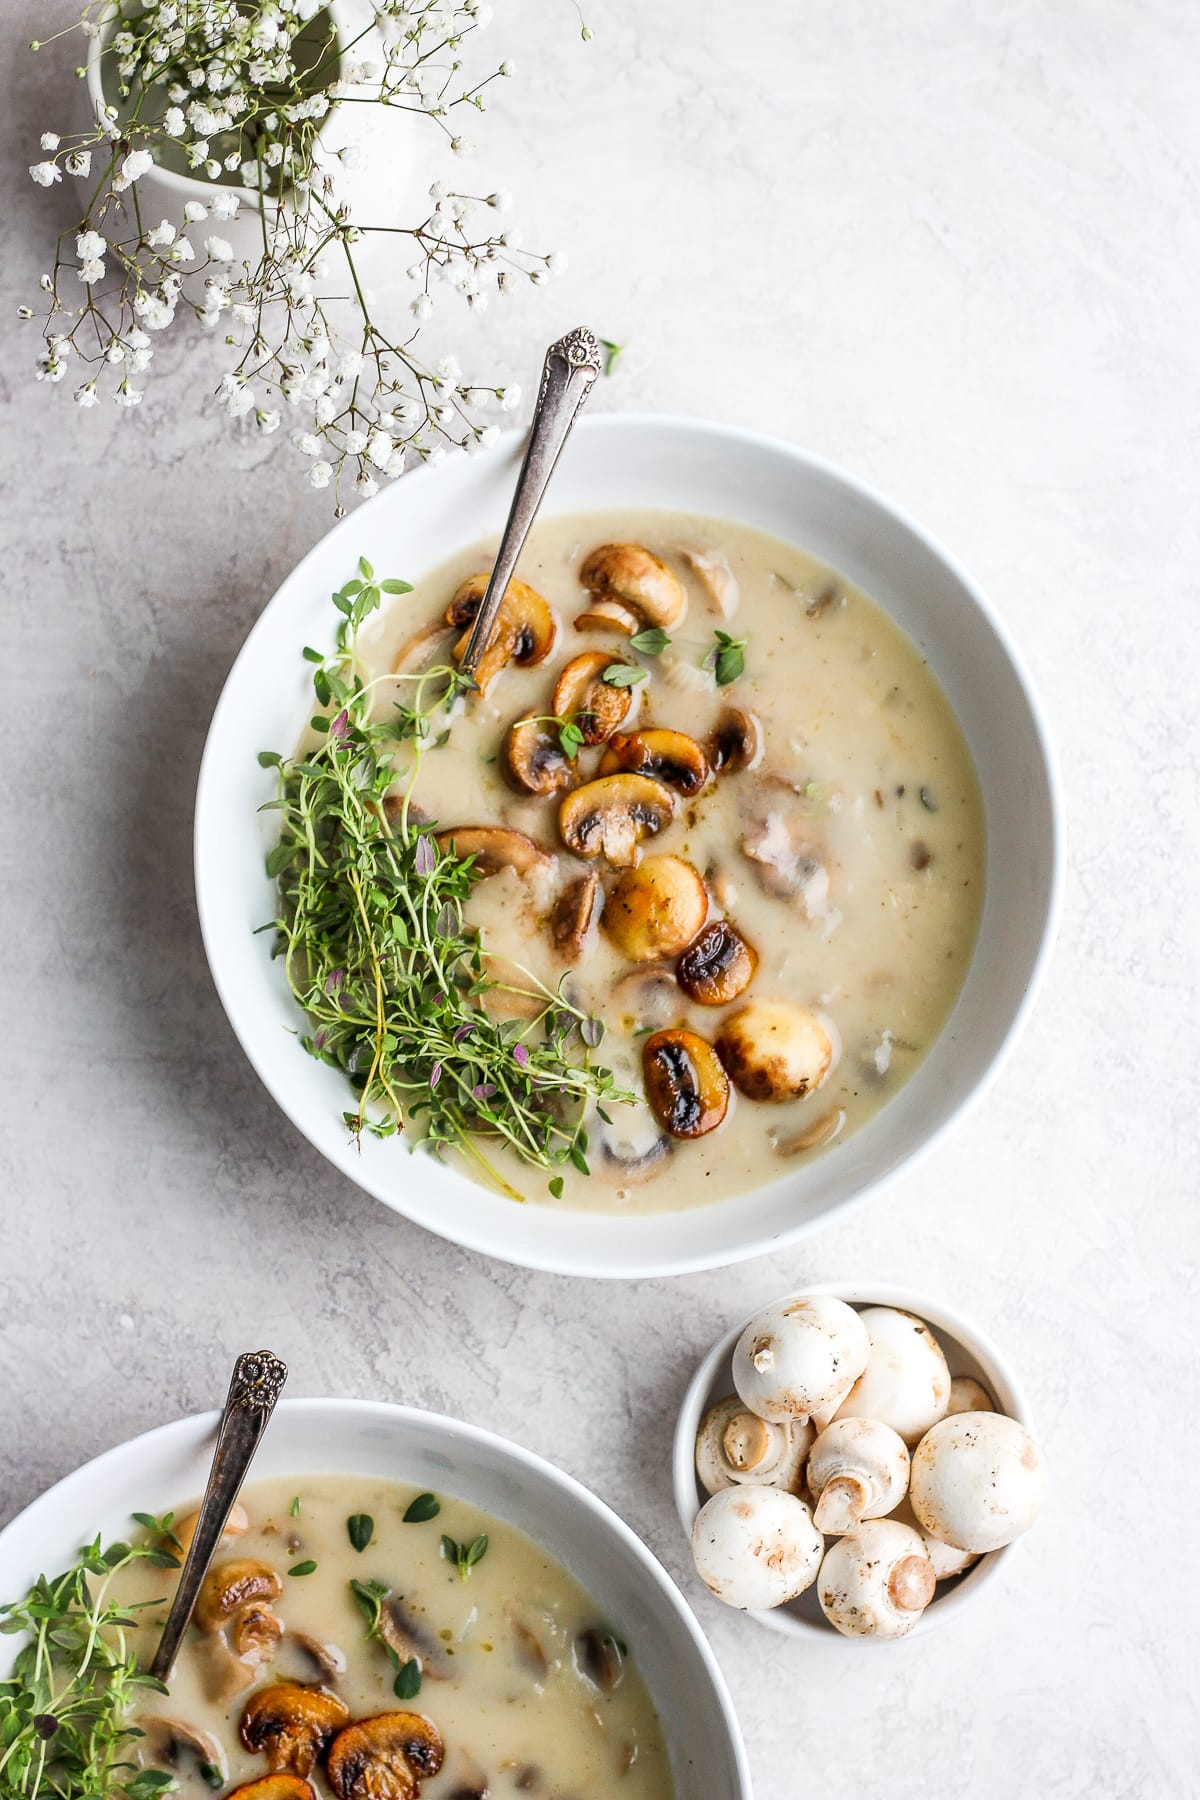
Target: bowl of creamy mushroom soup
[
  {"x": 402, "y": 1605},
  {"x": 706, "y": 908}
]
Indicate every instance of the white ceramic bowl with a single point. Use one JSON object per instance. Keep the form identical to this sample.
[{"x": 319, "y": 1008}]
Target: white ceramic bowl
[
  {"x": 371, "y": 1438},
  {"x": 671, "y": 463},
  {"x": 967, "y": 1351}
]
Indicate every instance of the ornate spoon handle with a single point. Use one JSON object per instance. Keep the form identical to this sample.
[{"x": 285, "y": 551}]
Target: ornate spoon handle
[
  {"x": 571, "y": 366},
  {"x": 257, "y": 1380}
]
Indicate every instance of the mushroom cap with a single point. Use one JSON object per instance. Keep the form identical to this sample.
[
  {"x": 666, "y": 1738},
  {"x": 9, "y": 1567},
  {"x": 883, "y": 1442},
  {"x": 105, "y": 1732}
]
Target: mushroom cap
[
  {"x": 877, "y": 1581},
  {"x": 756, "y": 1547},
  {"x": 582, "y": 695},
  {"x": 736, "y": 742},
  {"x": 612, "y": 815},
  {"x": 384, "y": 1758},
  {"x": 525, "y": 629},
  {"x": 495, "y": 847},
  {"x": 291, "y": 1725},
  {"x": 637, "y": 580},
  {"x": 656, "y": 909},
  {"x": 184, "y": 1530},
  {"x": 163, "y": 1739},
  {"x": 686, "y": 1087},
  {"x": 969, "y": 1395},
  {"x": 906, "y": 1382},
  {"x": 799, "y": 1357},
  {"x": 574, "y": 915},
  {"x": 274, "y": 1787},
  {"x": 608, "y": 615},
  {"x": 857, "y": 1469},
  {"x": 946, "y": 1560},
  {"x": 534, "y": 759},
  {"x": 775, "y": 1050},
  {"x": 717, "y": 965},
  {"x": 229, "y": 1586},
  {"x": 669, "y": 756},
  {"x": 734, "y": 1446},
  {"x": 977, "y": 1481}
]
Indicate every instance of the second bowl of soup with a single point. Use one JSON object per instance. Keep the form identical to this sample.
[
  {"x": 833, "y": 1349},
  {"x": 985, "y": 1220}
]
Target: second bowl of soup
[{"x": 708, "y": 910}]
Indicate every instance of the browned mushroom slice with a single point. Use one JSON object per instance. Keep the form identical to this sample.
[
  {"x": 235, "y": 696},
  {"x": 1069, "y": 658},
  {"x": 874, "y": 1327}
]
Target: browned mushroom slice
[
  {"x": 736, "y": 741},
  {"x": 525, "y": 630},
  {"x": 274, "y": 1787},
  {"x": 418, "y": 650},
  {"x": 634, "y": 578},
  {"x": 669, "y": 756},
  {"x": 655, "y": 909},
  {"x": 384, "y": 1758},
  {"x": 648, "y": 995},
  {"x": 185, "y": 1529},
  {"x": 535, "y": 761},
  {"x": 582, "y": 695},
  {"x": 326, "y": 1659},
  {"x": 230, "y": 1586},
  {"x": 686, "y": 1086},
  {"x": 170, "y": 1744},
  {"x": 599, "y": 1656},
  {"x": 774, "y": 1050},
  {"x": 574, "y": 915},
  {"x": 495, "y": 847},
  {"x": 611, "y": 817},
  {"x": 290, "y": 1725},
  {"x": 401, "y": 1633},
  {"x": 607, "y": 615},
  {"x": 717, "y": 965},
  {"x": 255, "y": 1632}
]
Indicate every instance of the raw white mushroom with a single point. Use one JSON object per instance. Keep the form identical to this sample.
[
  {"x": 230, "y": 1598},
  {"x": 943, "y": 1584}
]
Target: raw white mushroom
[
  {"x": 734, "y": 1446},
  {"x": 977, "y": 1481},
  {"x": 756, "y": 1547},
  {"x": 946, "y": 1560},
  {"x": 877, "y": 1581},
  {"x": 800, "y": 1358},
  {"x": 905, "y": 1382},
  {"x": 967, "y": 1395},
  {"x": 857, "y": 1469}
]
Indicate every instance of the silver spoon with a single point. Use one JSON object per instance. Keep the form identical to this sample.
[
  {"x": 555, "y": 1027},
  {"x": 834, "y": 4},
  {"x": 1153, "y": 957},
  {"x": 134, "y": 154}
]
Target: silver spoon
[
  {"x": 570, "y": 368},
  {"x": 258, "y": 1378}
]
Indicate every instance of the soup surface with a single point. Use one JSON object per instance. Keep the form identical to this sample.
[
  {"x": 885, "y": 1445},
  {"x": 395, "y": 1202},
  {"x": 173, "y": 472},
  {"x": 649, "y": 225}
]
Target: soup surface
[
  {"x": 849, "y": 853},
  {"x": 531, "y": 1693}
]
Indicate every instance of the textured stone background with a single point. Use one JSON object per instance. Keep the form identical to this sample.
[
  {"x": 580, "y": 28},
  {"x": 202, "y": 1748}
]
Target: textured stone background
[{"x": 956, "y": 248}]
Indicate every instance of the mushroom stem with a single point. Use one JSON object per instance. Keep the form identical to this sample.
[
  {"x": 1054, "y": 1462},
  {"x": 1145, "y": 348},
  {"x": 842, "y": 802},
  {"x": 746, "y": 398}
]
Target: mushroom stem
[
  {"x": 911, "y": 1583},
  {"x": 841, "y": 1505}
]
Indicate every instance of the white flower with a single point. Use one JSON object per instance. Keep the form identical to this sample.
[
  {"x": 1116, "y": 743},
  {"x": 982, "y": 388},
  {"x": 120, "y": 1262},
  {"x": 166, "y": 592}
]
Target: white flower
[
  {"x": 511, "y": 239},
  {"x": 308, "y": 444},
  {"x": 156, "y": 314},
  {"x": 224, "y": 205},
  {"x": 240, "y": 402},
  {"x": 50, "y": 140},
  {"x": 89, "y": 245},
  {"x": 324, "y": 410},
  {"x": 267, "y": 422},
  {"x": 86, "y": 395},
  {"x": 449, "y": 369},
  {"x": 501, "y": 200},
  {"x": 320, "y": 475},
  {"x": 79, "y": 162},
  {"x": 352, "y": 157},
  {"x": 195, "y": 211},
  {"x": 366, "y": 485},
  {"x": 115, "y": 352},
  {"x": 510, "y": 397},
  {"x": 556, "y": 262},
  {"x": 174, "y": 123},
  {"x": 181, "y": 250},
  {"x": 45, "y": 173},
  {"x": 235, "y": 157},
  {"x": 127, "y": 396},
  {"x": 438, "y": 191},
  {"x": 350, "y": 364},
  {"x": 421, "y": 307},
  {"x": 462, "y": 146},
  {"x": 90, "y": 271},
  {"x": 160, "y": 234},
  {"x": 395, "y": 464},
  {"x": 136, "y": 164},
  {"x": 218, "y": 249},
  {"x": 356, "y": 442},
  {"x": 379, "y": 449},
  {"x": 50, "y": 367},
  {"x": 489, "y": 436}
]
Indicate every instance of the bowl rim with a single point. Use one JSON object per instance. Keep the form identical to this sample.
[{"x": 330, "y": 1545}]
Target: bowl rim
[
  {"x": 486, "y": 1240},
  {"x": 1001, "y": 1379},
  {"x": 36, "y": 1521}
]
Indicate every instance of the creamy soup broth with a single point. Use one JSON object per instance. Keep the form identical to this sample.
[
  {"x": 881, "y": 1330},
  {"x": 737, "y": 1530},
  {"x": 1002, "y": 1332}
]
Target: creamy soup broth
[
  {"x": 509, "y": 1678},
  {"x": 863, "y": 820}
]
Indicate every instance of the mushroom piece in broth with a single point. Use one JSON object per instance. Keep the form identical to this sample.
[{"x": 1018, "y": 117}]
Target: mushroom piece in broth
[
  {"x": 441, "y": 1655},
  {"x": 772, "y": 839}
]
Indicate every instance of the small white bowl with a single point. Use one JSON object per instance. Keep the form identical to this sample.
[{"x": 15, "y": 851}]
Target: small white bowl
[
  {"x": 677, "y": 465},
  {"x": 372, "y": 1438},
  {"x": 968, "y": 1352}
]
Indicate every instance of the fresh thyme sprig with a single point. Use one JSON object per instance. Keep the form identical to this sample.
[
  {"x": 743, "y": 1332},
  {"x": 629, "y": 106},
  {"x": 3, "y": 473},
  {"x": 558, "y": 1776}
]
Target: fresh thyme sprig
[
  {"x": 64, "y": 1711},
  {"x": 376, "y": 946}
]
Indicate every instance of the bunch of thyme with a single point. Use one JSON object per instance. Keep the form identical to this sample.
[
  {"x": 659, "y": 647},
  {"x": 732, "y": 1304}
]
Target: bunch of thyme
[
  {"x": 64, "y": 1711},
  {"x": 373, "y": 935}
]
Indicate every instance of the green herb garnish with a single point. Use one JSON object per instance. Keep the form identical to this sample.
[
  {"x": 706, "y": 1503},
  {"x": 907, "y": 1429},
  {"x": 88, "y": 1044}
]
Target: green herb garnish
[
  {"x": 308, "y": 1567},
  {"x": 64, "y": 1709},
  {"x": 407, "y": 1684},
  {"x": 612, "y": 352},
  {"x": 294, "y": 1508},
  {"x": 211, "y": 1776},
  {"x": 375, "y": 945},
  {"x": 621, "y": 675},
  {"x": 651, "y": 642},
  {"x": 360, "y": 1529},
  {"x": 464, "y": 1556},
  {"x": 370, "y": 1596},
  {"x": 726, "y": 659},
  {"x": 425, "y": 1506}
]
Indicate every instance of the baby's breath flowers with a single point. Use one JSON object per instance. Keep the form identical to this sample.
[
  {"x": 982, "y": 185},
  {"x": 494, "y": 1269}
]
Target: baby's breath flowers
[{"x": 235, "y": 93}]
